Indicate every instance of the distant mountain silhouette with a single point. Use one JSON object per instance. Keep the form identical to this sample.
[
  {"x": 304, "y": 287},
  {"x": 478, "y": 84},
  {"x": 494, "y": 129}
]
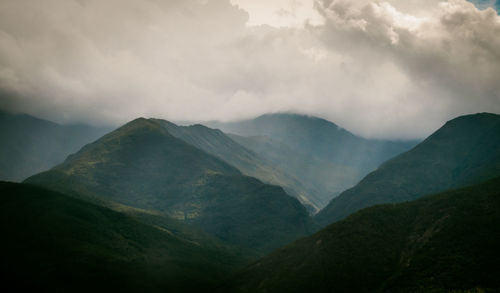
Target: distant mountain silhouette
[
  {"x": 325, "y": 158},
  {"x": 30, "y": 145}
]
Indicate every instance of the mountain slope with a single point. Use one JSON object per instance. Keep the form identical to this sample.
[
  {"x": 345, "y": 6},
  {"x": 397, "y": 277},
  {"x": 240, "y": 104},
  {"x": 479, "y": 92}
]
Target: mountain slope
[
  {"x": 143, "y": 166},
  {"x": 53, "y": 242},
  {"x": 215, "y": 142},
  {"x": 439, "y": 243},
  {"x": 320, "y": 177},
  {"x": 466, "y": 150},
  {"x": 319, "y": 137},
  {"x": 310, "y": 149},
  {"x": 31, "y": 145}
]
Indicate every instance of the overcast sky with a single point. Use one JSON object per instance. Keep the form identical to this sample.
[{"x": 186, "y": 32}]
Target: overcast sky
[{"x": 386, "y": 69}]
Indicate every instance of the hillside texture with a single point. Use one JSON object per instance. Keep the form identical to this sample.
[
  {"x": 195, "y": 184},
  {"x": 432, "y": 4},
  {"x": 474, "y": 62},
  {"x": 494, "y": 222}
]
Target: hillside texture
[
  {"x": 446, "y": 242},
  {"x": 55, "y": 243},
  {"x": 466, "y": 150},
  {"x": 141, "y": 165}
]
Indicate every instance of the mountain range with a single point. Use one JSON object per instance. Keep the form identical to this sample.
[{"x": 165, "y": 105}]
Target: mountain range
[
  {"x": 446, "y": 242},
  {"x": 31, "y": 145},
  {"x": 324, "y": 157},
  {"x": 142, "y": 165},
  {"x": 217, "y": 143},
  {"x": 466, "y": 150},
  {"x": 153, "y": 206}
]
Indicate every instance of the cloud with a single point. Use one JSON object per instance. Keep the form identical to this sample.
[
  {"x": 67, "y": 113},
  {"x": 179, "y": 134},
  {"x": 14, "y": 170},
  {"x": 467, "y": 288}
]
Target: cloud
[
  {"x": 280, "y": 13},
  {"x": 380, "y": 69},
  {"x": 449, "y": 56}
]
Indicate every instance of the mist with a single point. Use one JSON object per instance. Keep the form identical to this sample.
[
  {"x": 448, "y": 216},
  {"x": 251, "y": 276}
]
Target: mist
[{"x": 394, "y": 69}]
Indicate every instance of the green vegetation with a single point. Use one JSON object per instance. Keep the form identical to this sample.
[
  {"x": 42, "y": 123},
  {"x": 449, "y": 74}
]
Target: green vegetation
[
  {"x": 324, "y": 158},
  {"x": 30, "y": 145},
  {"x": 464, "y": 151},
  {"x": 154, "y": 207},
  {"x": 54, "y": 242},
  {"x": 321, "y": 178},
  {"x": 215, "y": 142},
  {"x": 446, "y": 242},
  {"x": 141, "y": 165}
]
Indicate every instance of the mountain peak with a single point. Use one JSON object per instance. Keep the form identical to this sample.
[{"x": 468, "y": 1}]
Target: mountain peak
[
  {"x": 302, "y": 118},
  {"x": 466, "y": 150},
  {"x": 140, "y": 123},
  {"x": 144, "y": 165},
  {"x": 483, "y": 117}
]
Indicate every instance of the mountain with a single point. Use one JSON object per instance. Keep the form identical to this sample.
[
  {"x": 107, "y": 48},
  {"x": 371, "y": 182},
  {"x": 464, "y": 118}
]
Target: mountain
[
  {"x": 466, "y": 150},
  {"x": 143, "y": 166},
  {"x": 320, "y": 177},
  {"x": 31, "y": 145},
  {"x": 217, "y": 143},
  {"x": 446, "y": 242},
  {"x": 312, "y": 149},
  {"x": 52, "y": 242}
]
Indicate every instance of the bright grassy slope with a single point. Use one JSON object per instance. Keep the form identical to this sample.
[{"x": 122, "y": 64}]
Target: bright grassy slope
[
  {"x": 143, "y": 166},
  {"x": 439, "y": 243},
  {"x": 54, "y": 242},
  {"x": 466, "y": 150}
]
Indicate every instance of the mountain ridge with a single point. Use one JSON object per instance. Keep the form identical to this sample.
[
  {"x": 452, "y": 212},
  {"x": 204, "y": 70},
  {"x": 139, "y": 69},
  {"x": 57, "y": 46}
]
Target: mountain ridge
[
  {"x": 31, "y": 145},
  {"x": 326, "y": 158},
  {"x": 55, "y": 242},
  {"x": 142, "y": 165},
  {"x": 217, "y": 143},
  {"x": 466, "y": 150},
  {"x": 445, "y": 242}
]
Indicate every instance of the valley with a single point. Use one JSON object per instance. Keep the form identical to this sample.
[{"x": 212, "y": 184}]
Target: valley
[{"x": 192, "y": 207}]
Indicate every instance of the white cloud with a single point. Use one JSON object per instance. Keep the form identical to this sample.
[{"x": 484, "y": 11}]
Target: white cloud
[
  {"x": 280, "y": 13},
  {"x": 450, "y": 55},
  {"x": 383, "y": 69}
]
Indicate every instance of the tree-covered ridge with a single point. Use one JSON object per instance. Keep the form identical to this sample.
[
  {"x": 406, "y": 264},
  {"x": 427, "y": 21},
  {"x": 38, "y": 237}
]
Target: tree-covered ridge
[
  {"x": 446, "y": 242},
  {"x": 143, "y": 166},
  {"x": 54, "y": 242},
  {"x": 466, "y": 150},
  {"x": 217, "y": 143}
]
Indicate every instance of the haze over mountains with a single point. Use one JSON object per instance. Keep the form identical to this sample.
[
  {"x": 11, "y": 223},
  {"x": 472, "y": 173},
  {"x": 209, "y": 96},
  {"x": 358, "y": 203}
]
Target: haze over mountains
[
  {"x": 31, "y": 145},
  {"x": 335, "y": 146},
  {"x": 465, "y": 151},
  {"x": 153, "y": 205},
  {"x": 325, "y": 158}
]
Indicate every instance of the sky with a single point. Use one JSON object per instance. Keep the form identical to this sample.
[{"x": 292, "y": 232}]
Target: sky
[{"x": 381, "y": 69}]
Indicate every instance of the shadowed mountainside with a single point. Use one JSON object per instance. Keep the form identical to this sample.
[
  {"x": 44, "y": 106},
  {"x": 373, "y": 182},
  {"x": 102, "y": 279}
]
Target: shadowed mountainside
[
  {"x": 53, "y": 242},
  {"x": 31, "y": 145},
  {"x": 143, "y": 166},
  {"x": 215, "y": 142},
  {"x": 325, "y": 158},
  {"x": 446, "y": 242},
  {"x": 466, "y": 150}
]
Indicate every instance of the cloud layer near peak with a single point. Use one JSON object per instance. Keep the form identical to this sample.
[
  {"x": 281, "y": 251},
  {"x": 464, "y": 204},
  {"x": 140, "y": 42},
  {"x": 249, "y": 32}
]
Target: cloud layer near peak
[{"x": 380, "y": 69}]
